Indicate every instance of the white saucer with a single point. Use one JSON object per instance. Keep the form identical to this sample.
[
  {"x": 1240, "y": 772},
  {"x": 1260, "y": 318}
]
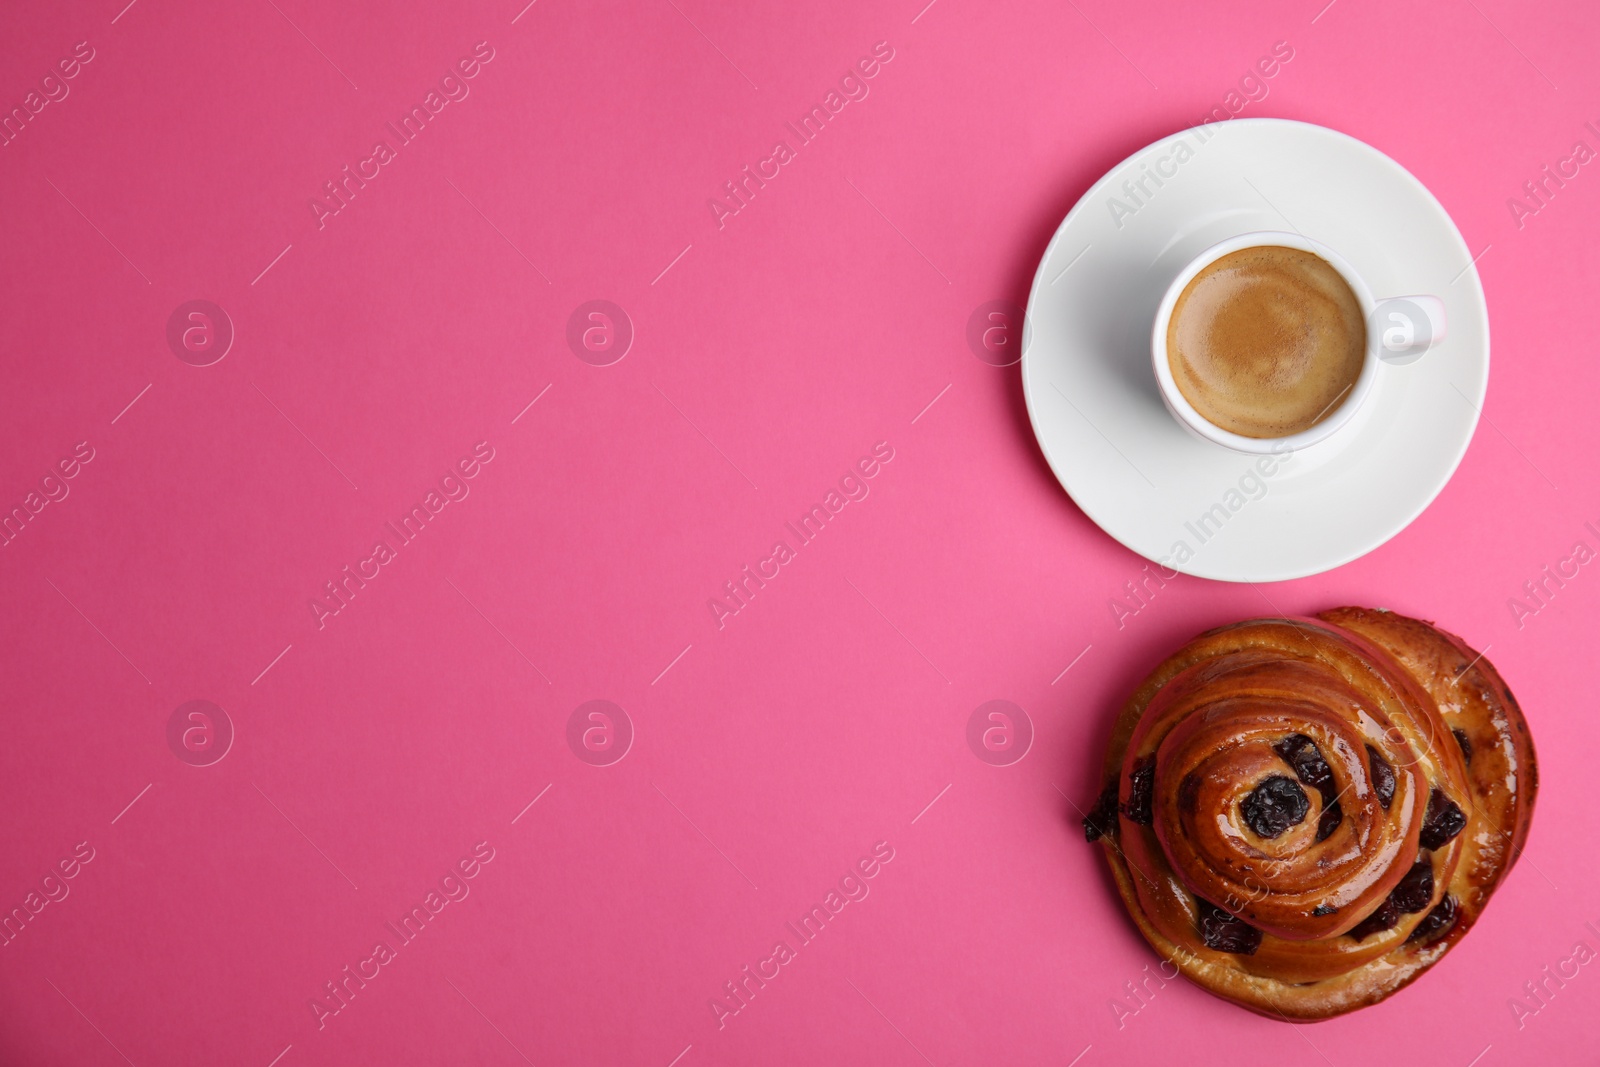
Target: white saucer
[{"x": 1092, "y": 394}]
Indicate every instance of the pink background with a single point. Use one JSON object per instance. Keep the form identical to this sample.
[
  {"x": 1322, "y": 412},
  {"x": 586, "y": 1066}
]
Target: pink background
[{"x": 372, "y": 754}]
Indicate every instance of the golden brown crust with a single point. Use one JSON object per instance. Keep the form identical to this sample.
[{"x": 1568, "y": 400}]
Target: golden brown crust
[{"x": 1364, "y": 721}]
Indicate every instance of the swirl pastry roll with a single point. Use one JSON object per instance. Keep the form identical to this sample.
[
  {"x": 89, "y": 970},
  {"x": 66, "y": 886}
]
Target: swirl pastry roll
[{"x": 1303, "y": 815}]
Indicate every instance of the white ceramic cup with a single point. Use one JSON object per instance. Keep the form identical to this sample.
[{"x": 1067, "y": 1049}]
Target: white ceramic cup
[{"x": 1399, "y": 330}]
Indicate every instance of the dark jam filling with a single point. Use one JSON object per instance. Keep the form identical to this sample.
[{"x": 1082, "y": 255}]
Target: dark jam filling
[
  {"x": 1383, "y": 919},
  {"x": 1225, "y": 932},
  {"x": 1189, "y": 793},
  {"x": 1382, "y": 777},
  {"x": 1275, "y": 805},
  {"x": 1141, "y": 792},
  {"x": 1415, "y": 891},
  {"x": 1441, "y": 918},
  {"x": 1409, "y": 897},
  {"x": 1329, "y": 820},
  {"x": 1442, "y": 822},
  {"x": 1102, "y": 818},
  {"x": 1302, "y": 754}
]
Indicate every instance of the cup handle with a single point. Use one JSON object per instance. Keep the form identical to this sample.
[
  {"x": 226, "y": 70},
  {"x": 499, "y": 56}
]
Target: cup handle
[{"x": 1406, "y": 327}]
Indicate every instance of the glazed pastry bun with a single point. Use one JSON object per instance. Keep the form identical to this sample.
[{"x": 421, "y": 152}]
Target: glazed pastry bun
[{"x": 1303, "y": 815}]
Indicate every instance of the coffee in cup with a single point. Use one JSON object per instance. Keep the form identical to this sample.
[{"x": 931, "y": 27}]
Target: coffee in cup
[
  {"x": 1270, "y": 341},
  {"x": 1266, "y": 341}
]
